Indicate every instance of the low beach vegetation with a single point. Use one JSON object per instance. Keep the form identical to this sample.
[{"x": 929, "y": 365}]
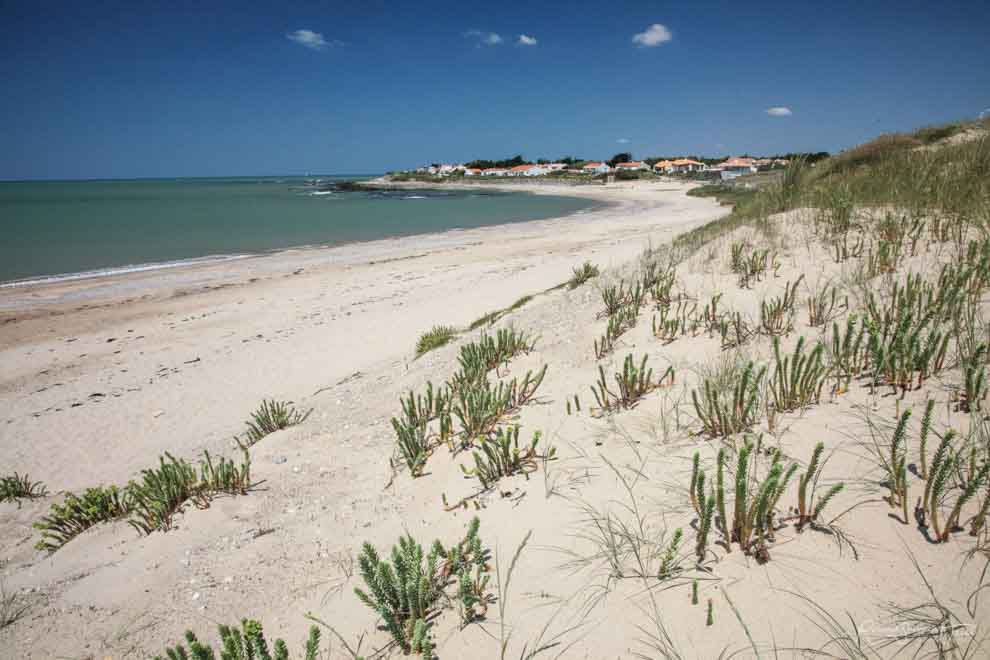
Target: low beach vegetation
[
  {"x": 435, "y": 337},
  {"x": 272, "y": 416},
  {"x": 16, "y": 487}
]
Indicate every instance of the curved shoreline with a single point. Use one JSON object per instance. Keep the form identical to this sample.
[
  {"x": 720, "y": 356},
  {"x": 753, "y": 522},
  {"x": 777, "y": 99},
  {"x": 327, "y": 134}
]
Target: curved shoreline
[
  {"x": 206, "y": 259},
  {"x": 28, "y": 297}
]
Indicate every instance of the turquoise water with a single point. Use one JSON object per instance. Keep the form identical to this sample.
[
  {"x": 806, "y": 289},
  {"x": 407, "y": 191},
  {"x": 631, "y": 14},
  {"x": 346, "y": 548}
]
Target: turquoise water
[{"x": 67, "y": 227}]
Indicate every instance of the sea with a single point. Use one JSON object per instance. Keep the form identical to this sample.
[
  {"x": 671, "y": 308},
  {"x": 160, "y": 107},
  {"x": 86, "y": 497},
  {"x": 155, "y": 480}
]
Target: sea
[{"x": 63, "y": 230}]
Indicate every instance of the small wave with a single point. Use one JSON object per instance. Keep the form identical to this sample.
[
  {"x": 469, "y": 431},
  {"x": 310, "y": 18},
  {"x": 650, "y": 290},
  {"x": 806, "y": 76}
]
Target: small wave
[
  {"x": 321, "y": 192},
  {"x": 120, "y": 270},
  {"x": 416, "y": 197}
]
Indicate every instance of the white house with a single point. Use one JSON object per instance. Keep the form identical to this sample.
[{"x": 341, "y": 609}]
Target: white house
[
  {"x": 664, "y": 166},
  {"x": 734, "y": 167},
  {"x": 595, "y": 168},
  {"x": 631, "y": 166},
  {"x": 472, "y": 171},
  {"x": 686, "y": 165},
  {"x": 494, "y": 171}
]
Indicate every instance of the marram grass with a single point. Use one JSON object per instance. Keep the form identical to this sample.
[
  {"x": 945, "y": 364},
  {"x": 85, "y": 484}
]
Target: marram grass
[{"x": 435, "y": 337}]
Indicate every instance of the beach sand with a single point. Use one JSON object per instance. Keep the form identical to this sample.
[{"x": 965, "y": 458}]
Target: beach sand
[{"x": 101, "y": 377}]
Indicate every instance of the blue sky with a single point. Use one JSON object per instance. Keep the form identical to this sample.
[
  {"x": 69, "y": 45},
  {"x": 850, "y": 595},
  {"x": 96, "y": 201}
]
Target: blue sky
[{"x": 141, "y": 89}]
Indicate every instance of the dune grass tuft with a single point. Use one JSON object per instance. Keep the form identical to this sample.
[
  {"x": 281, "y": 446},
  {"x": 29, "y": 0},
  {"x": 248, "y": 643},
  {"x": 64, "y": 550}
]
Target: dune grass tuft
[
  {"x": 272, "y": 416},
  {"x": 437, "y": 336},
  {"x": 582, "y": 274},
  {"x": 16, "y": 487}
]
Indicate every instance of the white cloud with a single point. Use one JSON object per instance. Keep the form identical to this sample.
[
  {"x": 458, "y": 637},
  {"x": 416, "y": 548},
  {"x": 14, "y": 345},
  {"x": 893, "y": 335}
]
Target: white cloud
[
  {"x": 526, "y": 40},
  {"x": 309, "y": 39},
  {"x": 484, "y": 38},
  {"x": 779, "y": 111},
  {"x": 654, "y": 35},
  {"x": 623, "y": 140}
]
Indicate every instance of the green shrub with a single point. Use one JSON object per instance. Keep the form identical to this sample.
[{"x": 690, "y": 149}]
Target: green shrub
[
  {"x": 76, "y": 514},
  {"x": 406, "y": 591},
  {"x": 245, "y": 643}
]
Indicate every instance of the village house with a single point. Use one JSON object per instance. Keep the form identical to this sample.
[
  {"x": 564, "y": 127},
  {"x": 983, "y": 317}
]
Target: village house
[
  {"x": 734, "y": 167},
  {"x": 681, "y": 165},
  {"x": 595, "y": 168},
  {"x": 664, "y": 166},
  {"x": 631, "y": 166},
  {"x": 494, "y": 171},
  {"x": 472, "y": 171}
]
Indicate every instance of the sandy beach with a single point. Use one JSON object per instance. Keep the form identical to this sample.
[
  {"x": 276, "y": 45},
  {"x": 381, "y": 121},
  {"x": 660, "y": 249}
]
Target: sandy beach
[
  {"x": 602, "y": 527},
  {"x": 102, "y": 376}
]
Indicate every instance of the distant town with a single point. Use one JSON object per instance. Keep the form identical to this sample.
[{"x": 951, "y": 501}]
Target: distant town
[{"x": 620, "y": 166}]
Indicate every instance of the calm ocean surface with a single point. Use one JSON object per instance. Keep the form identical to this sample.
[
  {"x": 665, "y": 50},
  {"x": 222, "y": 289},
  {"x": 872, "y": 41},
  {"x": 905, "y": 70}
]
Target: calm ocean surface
[{"x": 71, "y": 227}]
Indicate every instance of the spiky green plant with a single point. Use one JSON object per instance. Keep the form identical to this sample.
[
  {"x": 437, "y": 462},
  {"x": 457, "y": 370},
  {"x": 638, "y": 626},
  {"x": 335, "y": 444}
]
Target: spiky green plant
[
  {"x": 824, "y": 306},
  {"x": 943, "y": 465},
  {"x": 777, "y": 314},
  {"x": 731, "y": 406},
  {"x": 406, "y": 591},
  {"x": 272, "y": 416},
  {"x": 632, "y": 383},
  {"x": 245, "y": 643},
  {"x": 847, "y": 355},
  {"x": 723, "y": 521},
  {"x": 974, "y": 381},
  {"x": 694, "y": 592},
  {"x": 808, "y": 510},
  {"x": 479, "y": 357},
  {"x": 926, "y": 426},
  {"x": 582, "y": 274},
  {"x": 618, "y": 324},
  {"x": 413, "y": 444},
  {"x": 710, "y": 617},
  {"x": 969, "y": 489},
  {"x": 403, "y": 592},
  {"x": 734, "y": 330},
  {"x": 16, "y": 487},
  {"x": 479, "y": 409},
  {"x": 669, "y": 563},
  {"x": 435, "y": 337},
  {"x": 706, "y": 504},
  {"x": 797, "y": 378},
  {"x": 76, "y": 514},
  {"x": 501, "y": 456},
  {"x": 162, "y": 492},
  {"x": 896, "y": 466},
  {"x": 418, "y": 408}
]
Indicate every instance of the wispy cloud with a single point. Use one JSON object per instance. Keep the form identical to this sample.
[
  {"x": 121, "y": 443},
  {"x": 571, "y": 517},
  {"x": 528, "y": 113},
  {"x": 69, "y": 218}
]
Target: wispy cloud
[
  {"x": 526, "y": 40},
  {"x": 484, "y": 38},
  {"x": 623, "y": 140},
  {"x": 311, "y": 39},
  {"x": 779, "y": 111},
  {"x": 654, "y": 35}
]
